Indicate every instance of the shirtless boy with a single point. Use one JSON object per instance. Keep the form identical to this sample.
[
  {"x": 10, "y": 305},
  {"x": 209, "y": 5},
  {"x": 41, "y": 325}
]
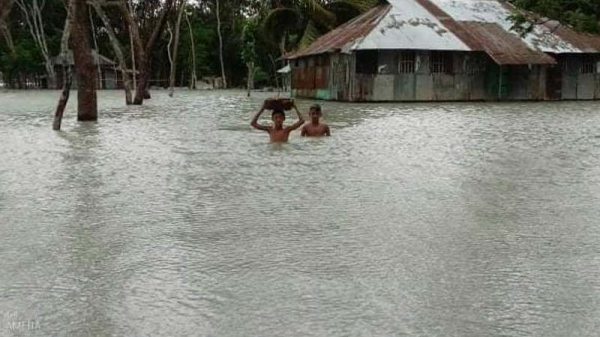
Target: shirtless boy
[
  {"x": 315, "y": 128},
  {"x": 277, "y": 132}
]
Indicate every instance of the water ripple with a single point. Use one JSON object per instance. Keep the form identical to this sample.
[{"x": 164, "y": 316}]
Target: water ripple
[{"x": 176, "y": 219}]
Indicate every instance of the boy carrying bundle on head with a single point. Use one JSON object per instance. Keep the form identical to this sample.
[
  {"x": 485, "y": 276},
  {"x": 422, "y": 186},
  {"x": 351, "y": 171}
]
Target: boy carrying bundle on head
[{"x": 277, "y": 132}]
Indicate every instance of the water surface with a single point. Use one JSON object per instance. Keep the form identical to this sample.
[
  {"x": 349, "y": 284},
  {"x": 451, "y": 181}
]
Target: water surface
[{"x": 176, "y": 219}]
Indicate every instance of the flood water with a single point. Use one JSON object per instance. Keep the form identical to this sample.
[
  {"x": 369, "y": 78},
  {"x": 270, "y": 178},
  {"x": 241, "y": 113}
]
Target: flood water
[{"x": 176, "y": 219}]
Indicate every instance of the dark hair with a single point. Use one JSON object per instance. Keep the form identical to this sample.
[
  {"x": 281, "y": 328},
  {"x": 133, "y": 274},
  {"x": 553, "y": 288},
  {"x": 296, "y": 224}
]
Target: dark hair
[
  {"x": 276, "y": 112},
  {"x": 316, "y": 107}
]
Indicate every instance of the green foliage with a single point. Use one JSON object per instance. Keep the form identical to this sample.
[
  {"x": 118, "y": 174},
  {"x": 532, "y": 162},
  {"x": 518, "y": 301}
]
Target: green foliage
[
  {"x": 261, "y": 77},
  {"x": 309, "y": 19},
  {"x": 282, "y": 22},
  {"x": 253, "y": 31},
  {"x": 582, "y": 15},
  {"x": 249, "y": 34},
  {"x": 311, "y": 33},
  {"x": 205, "y": 39}
]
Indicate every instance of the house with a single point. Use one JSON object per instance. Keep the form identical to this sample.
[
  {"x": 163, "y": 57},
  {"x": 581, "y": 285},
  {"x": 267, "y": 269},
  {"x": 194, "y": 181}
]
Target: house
[
  {"x": 109, "y": 76},
  {"x": 446, "y": 50}
]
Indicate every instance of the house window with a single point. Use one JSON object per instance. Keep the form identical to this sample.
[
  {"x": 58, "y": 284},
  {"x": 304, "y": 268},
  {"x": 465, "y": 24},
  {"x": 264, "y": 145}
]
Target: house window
[
  {"x": 441, "y": 62},
  {"x": 406, "y": 62},
  {"x": 588, "y": 65},
  {"x": 367, "y": 61}
]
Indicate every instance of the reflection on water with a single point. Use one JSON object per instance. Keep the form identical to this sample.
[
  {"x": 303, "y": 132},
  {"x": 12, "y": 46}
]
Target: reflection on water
[{"x": 176, "y": 219}]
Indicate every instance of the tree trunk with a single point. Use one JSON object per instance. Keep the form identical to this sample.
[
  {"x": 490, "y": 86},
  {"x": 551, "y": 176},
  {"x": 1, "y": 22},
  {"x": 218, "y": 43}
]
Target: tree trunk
[
  {"x": 175, "y": 48},
  {"x": 32, "y": 13},
  {"x": 139, "y": 51},
  {"x": 67, "y": 77},
  {"x": 282, "y": 45},
  {"x": 170, "y": 31},
  {"x": 133, "y": 56},
  {"x": 250, "y": 82},
  {"x": 193, "y": 78},
  {"x": 283, "y": 52},
  {"x": 99, "y": 70},
  {"x": 64, "y": 97},
  {"x": 5, "y": 7},
  {"x": 8, "y": 38},
  {"x": 221, "y": 46},
  {"x": 50, "y": 72},
  {"x": 37, "y": 17},
  {"x": 275, "y": 70},
  {"x": 118, "y": 49},
  {"x": 87, "y": 106},
  {"x": 142, "y": 51}
]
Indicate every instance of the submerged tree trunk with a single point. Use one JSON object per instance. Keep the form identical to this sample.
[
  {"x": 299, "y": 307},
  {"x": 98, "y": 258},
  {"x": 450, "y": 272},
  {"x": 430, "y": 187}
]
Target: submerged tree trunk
[
  {"x": 139, "y": 52},
  {"x": 133, "y": 57},
  {"x": 175, "y": 48},
  {"x": 169, "y": 55},
  {"x": 67, "y": 77},
  {"x": 193, "y": 78},
  {"x": 142, "y": 52},
  {"x": 118, "y": 49},
  {"x": 221, "y": 46},
  {"x": 87, "y": 106},
  {"x": 250, "y": 82},
  {"x": 64, "y": 97}
]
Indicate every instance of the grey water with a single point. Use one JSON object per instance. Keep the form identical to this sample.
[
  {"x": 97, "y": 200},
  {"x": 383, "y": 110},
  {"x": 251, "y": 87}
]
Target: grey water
[{"x": 177, "y": 219}]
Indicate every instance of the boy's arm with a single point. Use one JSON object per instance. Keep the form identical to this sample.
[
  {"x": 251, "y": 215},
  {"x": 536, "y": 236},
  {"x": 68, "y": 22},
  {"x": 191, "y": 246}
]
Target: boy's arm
[
  {"x": 303, "y": 131},
  {"x": 299, "y": 122},
  {"x": 254, "y": 122},
  {"x": 327, "y": 131}
]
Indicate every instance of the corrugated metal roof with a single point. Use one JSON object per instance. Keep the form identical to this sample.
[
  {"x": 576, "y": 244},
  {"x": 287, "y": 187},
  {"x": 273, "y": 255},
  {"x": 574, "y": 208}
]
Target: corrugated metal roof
[
  {"x": 494, "y": 11},
  {"x": 343, "y": 37},
  {"x": 408, "y": 25},
  {"x": 450, "y": 25},
  {"x": 587, "y": 43},
  {"x": 503, "y": 47}
]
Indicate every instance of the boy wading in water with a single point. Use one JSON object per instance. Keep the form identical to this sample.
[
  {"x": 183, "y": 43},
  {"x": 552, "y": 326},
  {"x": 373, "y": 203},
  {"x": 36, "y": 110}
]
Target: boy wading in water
[
  {"x": 277, "y": 132},
  {"x": 315, "y": 128}
]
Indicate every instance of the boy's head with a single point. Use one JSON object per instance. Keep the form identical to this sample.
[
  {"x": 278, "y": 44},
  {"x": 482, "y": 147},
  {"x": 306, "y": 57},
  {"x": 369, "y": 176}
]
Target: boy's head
[
  {"x": 315, "y": 112},
  {"x": 278, "y": 116}
]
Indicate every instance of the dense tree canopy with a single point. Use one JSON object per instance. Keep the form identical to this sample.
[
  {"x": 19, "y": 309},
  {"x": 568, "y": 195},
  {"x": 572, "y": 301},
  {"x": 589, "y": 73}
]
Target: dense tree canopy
[
  {"x": 583, "y": 15},
  {"x": 278, "y": 27}
]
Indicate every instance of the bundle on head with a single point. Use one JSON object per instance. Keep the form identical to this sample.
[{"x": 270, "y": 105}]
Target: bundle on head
[{"x": 279, "y": 104}]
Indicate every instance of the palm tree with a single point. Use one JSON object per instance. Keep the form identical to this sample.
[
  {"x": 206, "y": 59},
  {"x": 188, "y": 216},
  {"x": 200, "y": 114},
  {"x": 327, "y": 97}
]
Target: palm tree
[{"x": 296, "y": 24}]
